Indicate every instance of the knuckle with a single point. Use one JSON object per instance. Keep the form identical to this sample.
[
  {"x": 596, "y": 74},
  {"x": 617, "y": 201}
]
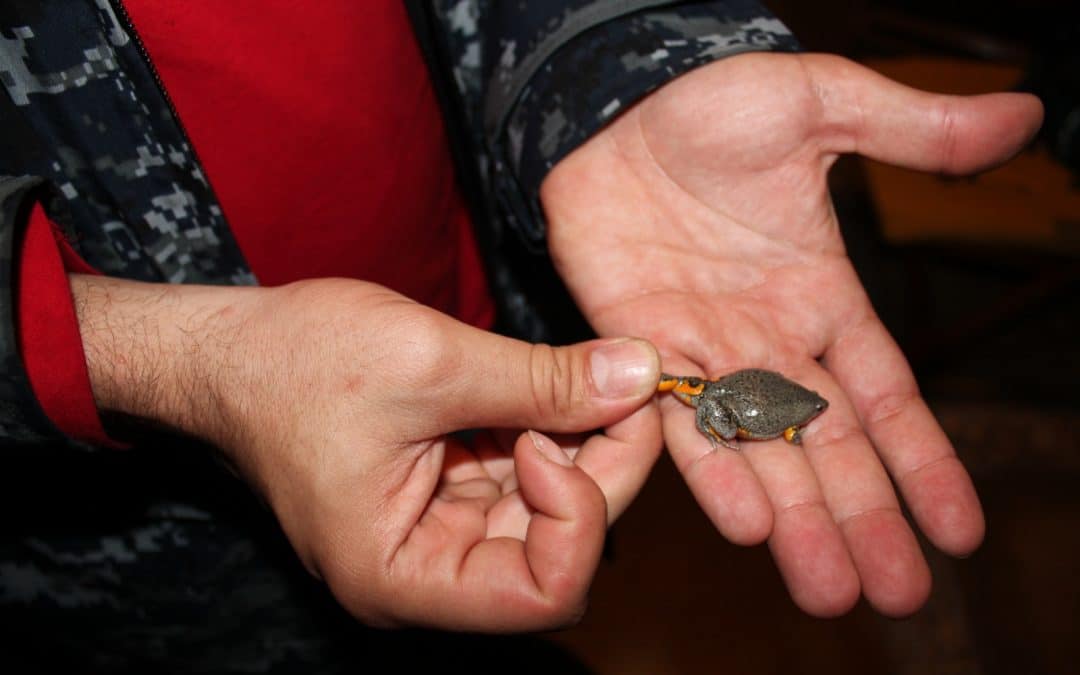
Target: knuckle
[
  {"x": 594, "y": 511},
  {"x": 373, "y": 617},
  {"x": 838, "y": 434},
  {"x": 558, "y": 611},
  {"x": 571, "y": 615},
  {"x": 552, "y": 381},
  {"x": 890, "y": 407},
  {"x": 947, "y": 115},
  {"x": 426, "y": 353}
]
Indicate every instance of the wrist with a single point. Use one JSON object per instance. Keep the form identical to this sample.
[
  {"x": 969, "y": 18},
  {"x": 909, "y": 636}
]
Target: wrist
[{"x": 160, "y": 354}]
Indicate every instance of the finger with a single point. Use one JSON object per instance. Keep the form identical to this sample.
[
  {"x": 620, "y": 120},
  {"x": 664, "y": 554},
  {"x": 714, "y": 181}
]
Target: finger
[
  {"x": 620, "y": 459},
  {"x": 721, "y": 480},
  {"x": 566, "y": 535},
  {"x": 859, "y": 496},
  {"x": 495, "y": 450},
  {"x": 481, "y": 492},
  {"x": 869, "y": 366},
  {"x": 462, "y": 463},
  {"x": 806, "y": 543},
  {"x": 870, "y": 114},
  {"x": 509, "y": 383},
  {"x": 464, "y": 479},
  {"x": 503, "y": 584}
]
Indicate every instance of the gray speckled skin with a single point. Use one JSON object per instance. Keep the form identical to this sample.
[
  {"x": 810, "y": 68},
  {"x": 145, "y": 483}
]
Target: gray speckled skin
[{"x": 753, "y": 404}]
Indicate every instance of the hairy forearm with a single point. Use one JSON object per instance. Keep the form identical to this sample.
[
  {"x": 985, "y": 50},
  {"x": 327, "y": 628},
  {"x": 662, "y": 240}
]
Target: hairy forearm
[{"x": 160, "y": 353}]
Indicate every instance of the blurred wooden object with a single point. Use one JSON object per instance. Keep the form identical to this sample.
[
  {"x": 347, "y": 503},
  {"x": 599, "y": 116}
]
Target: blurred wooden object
[
  {"x": 1023, "y": 216},
  {"x": 1032, "y": 202}
]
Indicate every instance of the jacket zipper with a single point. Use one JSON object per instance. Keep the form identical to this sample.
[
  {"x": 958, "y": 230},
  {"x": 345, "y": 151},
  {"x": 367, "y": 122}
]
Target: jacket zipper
[
  {"x": 121, "y": 14},
  {"x": 125, "y": 21}
]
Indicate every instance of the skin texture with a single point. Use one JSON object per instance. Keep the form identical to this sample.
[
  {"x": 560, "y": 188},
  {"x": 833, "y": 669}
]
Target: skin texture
[
  {"x": 334, "y": 399},
  {"x": 701, "y": 220}
]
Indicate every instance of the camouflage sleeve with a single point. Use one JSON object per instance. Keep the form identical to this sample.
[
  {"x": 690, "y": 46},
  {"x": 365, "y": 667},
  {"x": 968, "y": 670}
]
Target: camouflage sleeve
[
  {"x": 82, "y": 108},
  {"x": 21, "y": 418},
  {"x": 536, "y": 79}
]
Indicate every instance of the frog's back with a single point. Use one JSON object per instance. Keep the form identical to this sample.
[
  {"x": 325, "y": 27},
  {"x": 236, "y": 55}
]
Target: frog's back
[{"x": 766, "y": 403}]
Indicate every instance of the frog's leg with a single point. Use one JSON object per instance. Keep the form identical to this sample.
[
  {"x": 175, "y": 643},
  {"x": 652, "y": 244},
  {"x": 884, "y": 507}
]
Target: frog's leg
[
  {"x": 686, "y": 389},
  {"x": 717, "y": 424},
  {"x": 667, "y": 382},
  {"x": 793, "y": 435}
]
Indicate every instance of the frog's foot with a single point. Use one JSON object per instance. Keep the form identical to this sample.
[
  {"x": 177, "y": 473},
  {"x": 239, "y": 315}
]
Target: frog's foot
[
  {"x": 793, "y": 435},
  {"x": 734, "y": 445},
  {"x": 716, "y": 438},
  {"x": 715, "y": 423}
]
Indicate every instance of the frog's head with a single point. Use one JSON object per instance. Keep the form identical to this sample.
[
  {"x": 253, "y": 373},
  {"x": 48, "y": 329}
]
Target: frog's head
[{"x": 806, "y": 406}]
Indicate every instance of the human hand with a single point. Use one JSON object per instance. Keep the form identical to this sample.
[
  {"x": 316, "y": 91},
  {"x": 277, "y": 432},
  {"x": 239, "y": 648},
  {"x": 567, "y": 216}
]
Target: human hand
[
  {"x": 701, "y": 220},
  {"x": 334, "y": 399}
]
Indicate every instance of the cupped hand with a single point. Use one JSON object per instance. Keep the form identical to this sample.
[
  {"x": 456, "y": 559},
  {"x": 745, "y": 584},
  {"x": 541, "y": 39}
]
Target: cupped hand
[
  {"x": 336, "y": 400},
  {"x": 701, "y": 220}
]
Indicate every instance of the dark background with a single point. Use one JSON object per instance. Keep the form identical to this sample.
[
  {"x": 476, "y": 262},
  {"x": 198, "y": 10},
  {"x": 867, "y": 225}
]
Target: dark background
[{"x": 992, "y": 328}]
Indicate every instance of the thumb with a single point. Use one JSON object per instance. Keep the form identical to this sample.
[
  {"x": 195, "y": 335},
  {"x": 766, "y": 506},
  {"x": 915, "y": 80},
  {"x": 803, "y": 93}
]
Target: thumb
[
  {"x": 893, "y": 123},
  {"x": 513, "y": 384}
]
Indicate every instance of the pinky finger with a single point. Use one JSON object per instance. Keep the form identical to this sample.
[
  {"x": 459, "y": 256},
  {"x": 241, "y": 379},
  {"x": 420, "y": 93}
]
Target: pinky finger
[{"x": 871, "y": 368}]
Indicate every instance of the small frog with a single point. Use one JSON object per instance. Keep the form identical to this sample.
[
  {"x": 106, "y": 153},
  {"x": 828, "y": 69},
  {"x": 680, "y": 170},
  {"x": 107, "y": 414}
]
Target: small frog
[{"x": 753, "y": 404}]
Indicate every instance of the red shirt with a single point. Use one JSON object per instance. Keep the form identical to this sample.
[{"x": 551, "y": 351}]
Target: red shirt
[{"x": 319, "y": 130}]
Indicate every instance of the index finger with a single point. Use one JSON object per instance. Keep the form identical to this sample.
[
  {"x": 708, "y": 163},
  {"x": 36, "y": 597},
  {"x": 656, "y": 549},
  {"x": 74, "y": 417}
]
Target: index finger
[{"x": 454, "y": 572}]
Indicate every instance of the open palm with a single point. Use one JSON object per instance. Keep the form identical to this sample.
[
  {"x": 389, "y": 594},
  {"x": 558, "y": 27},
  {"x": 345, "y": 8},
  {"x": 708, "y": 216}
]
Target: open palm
[{"x": 701, "y": 220}]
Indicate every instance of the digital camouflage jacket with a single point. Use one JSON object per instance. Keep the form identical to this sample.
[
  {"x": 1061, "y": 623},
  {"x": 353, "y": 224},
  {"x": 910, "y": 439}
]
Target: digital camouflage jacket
[{"x": 87, "y": 130}]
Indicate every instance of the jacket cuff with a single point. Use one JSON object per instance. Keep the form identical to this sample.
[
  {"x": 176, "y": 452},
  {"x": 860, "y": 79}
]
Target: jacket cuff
[
  {"x": 602, "y": 71},
  {"x": 48, "y": 331}
]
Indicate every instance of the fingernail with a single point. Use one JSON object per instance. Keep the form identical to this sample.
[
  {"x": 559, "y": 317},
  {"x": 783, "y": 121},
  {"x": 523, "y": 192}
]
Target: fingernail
[
  {"x": 549, "y": 449},
  {"x": 624, "y": 368}
]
